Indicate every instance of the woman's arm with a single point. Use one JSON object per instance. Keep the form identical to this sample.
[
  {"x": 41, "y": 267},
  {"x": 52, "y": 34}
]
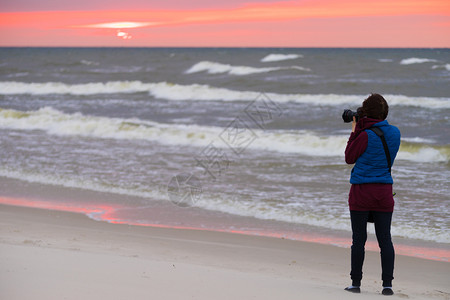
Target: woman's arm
[{"x": 356, "y": 145}]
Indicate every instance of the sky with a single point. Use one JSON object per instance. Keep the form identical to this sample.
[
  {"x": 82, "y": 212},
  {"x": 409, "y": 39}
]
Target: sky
[{"x": 231, "y": 23}]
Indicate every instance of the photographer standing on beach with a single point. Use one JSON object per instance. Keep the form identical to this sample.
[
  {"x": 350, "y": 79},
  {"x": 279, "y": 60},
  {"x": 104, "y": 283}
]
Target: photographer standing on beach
[{"x": 372, "y": 147}]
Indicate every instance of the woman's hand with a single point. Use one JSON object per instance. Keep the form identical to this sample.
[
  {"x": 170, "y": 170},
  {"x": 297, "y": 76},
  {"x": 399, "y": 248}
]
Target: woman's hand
[{"x": 354, "y": 124}]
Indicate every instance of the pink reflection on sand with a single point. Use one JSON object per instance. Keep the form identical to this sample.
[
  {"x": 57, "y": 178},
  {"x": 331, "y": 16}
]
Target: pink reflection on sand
[
  {"x": 107, "y": 212},
  {"x": 90, "y": 211}
]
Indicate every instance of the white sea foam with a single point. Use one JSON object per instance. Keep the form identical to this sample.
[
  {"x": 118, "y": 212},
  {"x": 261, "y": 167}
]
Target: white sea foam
[
  {"x": 219, "y": 68},
  {"x": 416, "y": 60},
  {"x": 425, "y": 102},
  {"x": 418, "y": 140},
  {"x": 260, "y": 210},
  {"x": 279, "y": 57},
  {"x": 58, "y": 123},
  {"x": 424, "y": 154},
  {"x": 265, "y": 211},
  {"x": 446, "y": 67},
  {"x": 73, "y": 182},
  {"x": 385, "y": 60},
  {"x": 302, "y": 142},
  {"x": 199, "y": 92},
  {"x": 111, "y": 87}
]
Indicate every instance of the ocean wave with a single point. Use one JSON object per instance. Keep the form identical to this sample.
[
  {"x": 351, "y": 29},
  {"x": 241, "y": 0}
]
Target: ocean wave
[
  {"x": 93, "y": 88},
  {"x": 55, "y": 122},
  {"x": 416, "y": 60},
  {"x": 424, "y": 153},
  {"x": 446, "y": 67},
  {"x": 202, "y": 92},
  {"x": 80, "y": 183},
  {"x": 236, "y": 206},
  {"x": 265, "y": 211},
  {"x": 385, "y": 60},
  {"x": 418, "y": 140},
  {"x": 283, "y": 141},
  {"x": 280, "y": 57},
  {"x": 88, "y": 62},
  {"x": 219, "y": 68},
  {"x": 197, "y": 92}
]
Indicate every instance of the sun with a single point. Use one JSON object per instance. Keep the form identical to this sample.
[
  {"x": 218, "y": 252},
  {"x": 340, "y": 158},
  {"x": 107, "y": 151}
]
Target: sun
[{"x": 120, "y": 25}]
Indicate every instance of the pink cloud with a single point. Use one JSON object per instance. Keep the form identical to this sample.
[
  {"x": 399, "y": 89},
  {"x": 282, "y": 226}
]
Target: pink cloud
[{"x": 317, "y": 23}]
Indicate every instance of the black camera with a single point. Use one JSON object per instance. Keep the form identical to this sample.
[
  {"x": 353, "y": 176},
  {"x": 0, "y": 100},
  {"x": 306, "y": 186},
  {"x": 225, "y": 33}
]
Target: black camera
[{"x": 348, "y": 115}]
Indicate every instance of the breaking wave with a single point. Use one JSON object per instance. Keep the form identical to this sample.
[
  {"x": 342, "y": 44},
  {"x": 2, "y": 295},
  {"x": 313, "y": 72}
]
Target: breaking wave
[
  {"x": 200, "y": 92},
  {"x": 416, "y": 60},
  {"x": 280, "y": 57},
  {"x": 424, "y": 153},
  {"x": 219, "y": 68},
  {"x": 446, "y": 67},
  {"x": 302, "y": 142}
]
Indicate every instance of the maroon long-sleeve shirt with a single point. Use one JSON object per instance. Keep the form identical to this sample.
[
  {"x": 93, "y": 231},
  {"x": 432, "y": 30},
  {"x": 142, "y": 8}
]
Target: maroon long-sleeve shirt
[{"x": 368, "y": 196}]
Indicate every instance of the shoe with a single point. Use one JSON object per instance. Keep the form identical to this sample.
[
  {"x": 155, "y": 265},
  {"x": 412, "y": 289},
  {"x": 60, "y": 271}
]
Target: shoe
[
  {"x": 353, "y": 289},
  {"x": 387, "y": 291}
]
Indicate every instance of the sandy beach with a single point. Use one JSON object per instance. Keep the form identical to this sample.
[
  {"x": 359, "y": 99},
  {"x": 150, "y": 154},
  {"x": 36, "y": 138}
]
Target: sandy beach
[{"x": 61, "y": 255}]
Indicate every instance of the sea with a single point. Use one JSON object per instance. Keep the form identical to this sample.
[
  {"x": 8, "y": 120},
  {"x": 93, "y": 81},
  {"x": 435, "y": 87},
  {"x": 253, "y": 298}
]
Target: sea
[{"x": 243, "y": 140}]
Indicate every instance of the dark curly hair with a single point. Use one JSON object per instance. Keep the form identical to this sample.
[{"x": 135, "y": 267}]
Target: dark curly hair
[{"x": 375, "y": 107}]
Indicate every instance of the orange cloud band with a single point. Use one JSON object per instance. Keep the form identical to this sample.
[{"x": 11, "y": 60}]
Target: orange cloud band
[{"x": 248, "y": 13}]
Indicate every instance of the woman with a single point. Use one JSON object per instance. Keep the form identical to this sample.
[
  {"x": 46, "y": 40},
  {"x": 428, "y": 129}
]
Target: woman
[{"x": 371, "y": 190}]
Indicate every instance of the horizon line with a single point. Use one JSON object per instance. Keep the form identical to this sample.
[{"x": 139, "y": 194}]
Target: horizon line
[{"x": 233, "y": 47}]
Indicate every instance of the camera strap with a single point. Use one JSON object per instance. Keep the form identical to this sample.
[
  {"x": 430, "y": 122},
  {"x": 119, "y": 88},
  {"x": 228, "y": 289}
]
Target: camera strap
[{"x": 380, "y": 133}]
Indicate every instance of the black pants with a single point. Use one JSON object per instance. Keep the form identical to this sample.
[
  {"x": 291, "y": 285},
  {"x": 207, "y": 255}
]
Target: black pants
[{"x": 382, "y": 221}]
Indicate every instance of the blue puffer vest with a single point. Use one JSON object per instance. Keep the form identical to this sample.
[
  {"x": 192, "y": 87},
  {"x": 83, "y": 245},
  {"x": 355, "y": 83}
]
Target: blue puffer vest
[{"x": 371, "y": 166}]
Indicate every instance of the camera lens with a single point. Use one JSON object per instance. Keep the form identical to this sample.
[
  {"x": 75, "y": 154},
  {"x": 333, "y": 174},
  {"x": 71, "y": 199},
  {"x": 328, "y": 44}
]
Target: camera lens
[{"x": 348, "y": 115}]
